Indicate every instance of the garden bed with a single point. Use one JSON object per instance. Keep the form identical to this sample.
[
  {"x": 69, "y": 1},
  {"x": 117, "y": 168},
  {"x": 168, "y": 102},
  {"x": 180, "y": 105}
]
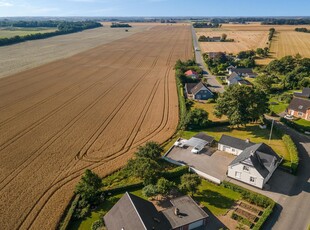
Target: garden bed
[
  {"x": 247, "y": 215},
  {"x": 251, "y": 208}
]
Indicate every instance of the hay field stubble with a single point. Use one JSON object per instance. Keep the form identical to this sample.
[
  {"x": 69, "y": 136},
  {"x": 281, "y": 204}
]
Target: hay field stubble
[{"x": 88, "y": 111}]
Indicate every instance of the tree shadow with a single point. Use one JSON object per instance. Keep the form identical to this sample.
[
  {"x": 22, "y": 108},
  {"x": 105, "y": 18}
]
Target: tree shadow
[
  {"x": 215, "y": 199},
  {"x": 213, "y": 223}
]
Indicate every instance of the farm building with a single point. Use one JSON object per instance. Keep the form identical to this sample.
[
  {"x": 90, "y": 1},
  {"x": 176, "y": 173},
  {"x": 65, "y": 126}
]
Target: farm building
[
  {"x": 132, "y": 212},
  {"x": 198, "y": 91},
  {"x": 254, "y": 165},
  {"x": 233, "y": 145},
  {"x": 192, "y": 74}
]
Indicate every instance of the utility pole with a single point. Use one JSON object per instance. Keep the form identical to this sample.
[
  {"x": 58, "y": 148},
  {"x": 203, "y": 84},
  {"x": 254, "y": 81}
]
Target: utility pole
[{"x": 271, "y": 131}]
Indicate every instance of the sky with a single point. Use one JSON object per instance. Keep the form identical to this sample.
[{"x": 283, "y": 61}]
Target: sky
[{"x": 149, "y": 8}]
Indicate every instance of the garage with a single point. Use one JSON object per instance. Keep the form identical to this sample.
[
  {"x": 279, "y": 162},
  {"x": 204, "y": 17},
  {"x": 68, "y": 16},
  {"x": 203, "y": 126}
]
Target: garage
[{"x": 195, "y": 224}]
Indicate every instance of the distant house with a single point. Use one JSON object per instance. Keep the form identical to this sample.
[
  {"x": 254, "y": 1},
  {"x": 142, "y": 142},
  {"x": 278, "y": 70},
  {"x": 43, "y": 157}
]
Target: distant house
[
  {"x": 243, "y": 72},
  {"x": 299, "y": 107},
  {"x": 233, "y": 79},
  {"x": 198, "y": 91},
  {"x": 254, "y": 165},
  {"x": 233, "y": 145},
  {"x": 230, "y": 67},
  {"x": 132, "y": 212},
  {"x": 304, "y": 94},
  {"x": 192, "y": 74}
]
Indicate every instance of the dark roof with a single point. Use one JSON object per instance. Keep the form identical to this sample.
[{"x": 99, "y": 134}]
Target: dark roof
[
  {"x": 189, "y": 212},
  {"x": 205, "y": 137},
  {"x": 260, "y": 156},
  {"x": 242, "y": 70},
  {"x": 198, "y": 87},
  {"x": 305, "y": 93},
  {"x": 189, "y": 87},
  {"x": 299, "y": 104},
  {"x": 233, "y": 75},
  {"x": 132, "y": 212},
  {"x": 235, "y": 142}
]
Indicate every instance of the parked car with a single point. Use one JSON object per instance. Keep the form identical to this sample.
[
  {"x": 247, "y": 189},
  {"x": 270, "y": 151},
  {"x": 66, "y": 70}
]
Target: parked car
[{"x": 288, "y": 117}]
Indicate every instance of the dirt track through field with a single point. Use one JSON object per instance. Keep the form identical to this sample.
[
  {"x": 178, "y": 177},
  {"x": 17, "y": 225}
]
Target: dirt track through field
[{"x": 87, "y": 111}]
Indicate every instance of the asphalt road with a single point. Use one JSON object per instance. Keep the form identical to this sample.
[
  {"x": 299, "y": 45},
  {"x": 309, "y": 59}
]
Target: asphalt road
[
  {"x": 293, "y": 211},
  {"x": 215, "y": 86}
]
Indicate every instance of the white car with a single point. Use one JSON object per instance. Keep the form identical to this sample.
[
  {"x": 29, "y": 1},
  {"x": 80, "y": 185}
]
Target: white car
[
  {"x": 288, "y": 117},
  {"x": 196, "y": 49},
  {"x": 197, "y": 149}
]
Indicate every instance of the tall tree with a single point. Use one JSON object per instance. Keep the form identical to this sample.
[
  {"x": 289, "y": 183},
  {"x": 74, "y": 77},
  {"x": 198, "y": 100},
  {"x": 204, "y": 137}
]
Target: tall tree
[
  {"x": 190, "y": 183},
  {"x": 89, "y": 187},
  {"x": 241, "y": 104},
  {"x": 151, "y": 150},
  {"x": 164, "y": 186}
]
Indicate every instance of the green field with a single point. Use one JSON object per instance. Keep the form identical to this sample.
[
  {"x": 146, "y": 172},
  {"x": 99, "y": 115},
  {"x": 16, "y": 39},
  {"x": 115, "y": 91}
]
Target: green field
[{"x": 14, "y": 31}]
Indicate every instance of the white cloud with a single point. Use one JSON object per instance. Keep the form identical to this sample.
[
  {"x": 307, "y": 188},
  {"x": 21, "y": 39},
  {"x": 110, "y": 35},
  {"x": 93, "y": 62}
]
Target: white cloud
[{"x": 5, "y": 4}]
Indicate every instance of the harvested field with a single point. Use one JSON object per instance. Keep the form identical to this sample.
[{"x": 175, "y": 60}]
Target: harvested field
[
  {"x": 30, "y": 54},
  {"x": 254, "y": 35},
  {"x": 88, "y": 111},
  {"x": 290, "y": 43}
]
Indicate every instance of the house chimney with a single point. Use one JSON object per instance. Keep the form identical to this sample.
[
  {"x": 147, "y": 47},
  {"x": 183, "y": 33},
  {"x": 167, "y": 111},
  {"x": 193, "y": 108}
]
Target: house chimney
[
  {"x": 252, "y": 153},
  {"x": 176, "y": 211},
  {"x": 247, "y": 140}
]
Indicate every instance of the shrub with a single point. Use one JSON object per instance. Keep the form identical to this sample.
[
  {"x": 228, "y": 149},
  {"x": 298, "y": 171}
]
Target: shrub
[
  {"x": 97, "y": 224},
  {"x": 264, "y": 217},
  {"x": 176, "y": 172},
  {"x": 292, "y": 149}
]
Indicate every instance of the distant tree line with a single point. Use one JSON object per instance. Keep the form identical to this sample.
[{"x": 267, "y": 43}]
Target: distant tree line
[
  {"x": 62, "y": 28},
  {"x": 120, "y": 25},
  {"x": 49, "y": 23},
  {"x": 288, "y": 21},
  {"x": 206, "y": 25},
  {"x": 271, "y": 33},
  {"x": 305, "y": 30}
]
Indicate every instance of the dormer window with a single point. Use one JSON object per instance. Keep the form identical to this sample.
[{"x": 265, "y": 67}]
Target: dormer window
[
  {"x": 246, "y": 168},
  {"x": 300, "y": 107}
]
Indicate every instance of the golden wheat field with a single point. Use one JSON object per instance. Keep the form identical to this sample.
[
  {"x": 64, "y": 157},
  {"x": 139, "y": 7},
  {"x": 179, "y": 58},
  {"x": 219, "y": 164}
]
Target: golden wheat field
[{"x": 90, "y": 110}]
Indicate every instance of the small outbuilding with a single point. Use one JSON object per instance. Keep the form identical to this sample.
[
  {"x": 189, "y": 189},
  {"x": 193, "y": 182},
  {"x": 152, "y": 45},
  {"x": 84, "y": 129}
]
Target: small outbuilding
[{"x": 233, "y": 145}]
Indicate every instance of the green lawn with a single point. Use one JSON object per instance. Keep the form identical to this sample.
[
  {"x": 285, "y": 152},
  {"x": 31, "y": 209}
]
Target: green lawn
[
  {"x": 302, "y": 122},
  {"x": 277, "y": 108},
  {"x": 251, "y": 131},
  {"x": 209, "y": 107},
  {"x": 11, "y": 32},
  {"x": 216, "y": 198},
  {"x": 100, "y": 211}
]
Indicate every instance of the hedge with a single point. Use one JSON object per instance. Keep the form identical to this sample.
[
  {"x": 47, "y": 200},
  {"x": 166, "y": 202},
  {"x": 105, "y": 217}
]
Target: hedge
[
  {"x": 294, "y": 125},
  {"x": 64, "y": 224},
  {"x": 292, "y": 149},
  {"x": 176, "y": 172},
  {"x": 182, "y": 105},
  {"x": 254, "y": 198},
  {"x": 124, "y": 188}
]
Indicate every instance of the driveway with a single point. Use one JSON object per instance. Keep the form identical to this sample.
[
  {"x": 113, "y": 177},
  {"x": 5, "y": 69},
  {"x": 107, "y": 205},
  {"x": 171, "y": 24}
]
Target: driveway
[
  {"x": 215, "y": 86},
  {"x": 212, "y": 163}
]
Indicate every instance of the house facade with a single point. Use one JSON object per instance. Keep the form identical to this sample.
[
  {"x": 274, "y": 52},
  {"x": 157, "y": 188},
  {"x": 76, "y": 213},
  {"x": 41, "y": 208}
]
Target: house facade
[
  {"x": 254, "y": 165},
  {"x": 233, "y": 145},
  {"x": 198, "y": 91},
  {"x": 300, "y": 105}
]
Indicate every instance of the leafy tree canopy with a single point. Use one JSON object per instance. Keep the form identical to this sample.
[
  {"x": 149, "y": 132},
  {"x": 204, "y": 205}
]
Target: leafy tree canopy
[{"x": 190, "y": 183}]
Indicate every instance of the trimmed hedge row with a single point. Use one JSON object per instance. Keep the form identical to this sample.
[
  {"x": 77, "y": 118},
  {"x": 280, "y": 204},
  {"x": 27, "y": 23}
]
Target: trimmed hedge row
[
  {"x": 292, "y": 149},
  {"x": 254, "y": 198},
  {"x": 295, "y": 126},
  {"x": 182, "y": 105},
  {"x": 64, "y": 224},
  {"x": 176, "y": 172},
  {"x": 124, "y": 188}
]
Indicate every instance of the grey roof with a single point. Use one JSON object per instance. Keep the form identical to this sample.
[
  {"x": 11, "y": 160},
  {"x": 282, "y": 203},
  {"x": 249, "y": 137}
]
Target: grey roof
[
  {"x": 299, "y": 104},
  {"x": 260, "y": 156},
  {"x": 132, "y": 212},
  {"x": 244, "y": 82},
  {"x": 242, "y": 70},
  {"x": 189, "y": 212},
  {"x": 205, "y": 137},
  {"x": 234, "y": 75},
  {"x": 198, "y": 87},
  {"x": 305, "y": 93},
  {"x": 189, "y": 87},
  {"x": 235, "y": 142}
]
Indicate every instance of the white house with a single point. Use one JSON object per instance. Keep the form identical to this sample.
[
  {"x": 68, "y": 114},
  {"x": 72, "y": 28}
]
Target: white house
[
  {"x": 233, "y": 145},
  {"x": 255, "y": 165}
]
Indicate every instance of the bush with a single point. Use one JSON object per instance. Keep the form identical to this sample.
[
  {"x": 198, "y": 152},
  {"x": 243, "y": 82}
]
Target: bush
[
  {"x": 264, "y": 216},
  {"x": 124, "y": 188},
  {"x": 97, "y": 224},
  {"x": 292, "y": 149},
  {"x": 176, "y": 172},
  {"x": 69, "y": 214}
]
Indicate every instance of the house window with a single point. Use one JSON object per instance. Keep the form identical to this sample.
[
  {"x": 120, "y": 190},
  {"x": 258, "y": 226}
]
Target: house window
[
  {"x": 252, "y": 179},
  {"x": 238, "y": 174},
  {"x": 233, "y": 150},
  {"x": 246, "y": 168},
  {"x": 300, "y": 114}
]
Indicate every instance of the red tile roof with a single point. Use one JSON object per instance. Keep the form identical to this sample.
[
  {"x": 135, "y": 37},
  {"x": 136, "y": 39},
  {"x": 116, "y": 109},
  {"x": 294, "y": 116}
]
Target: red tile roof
[{"x": 190, "y": 73}]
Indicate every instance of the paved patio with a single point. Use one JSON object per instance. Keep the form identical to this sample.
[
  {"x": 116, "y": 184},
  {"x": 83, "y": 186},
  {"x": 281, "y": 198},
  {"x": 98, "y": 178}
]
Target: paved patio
[{"x": 209, "y": 161}]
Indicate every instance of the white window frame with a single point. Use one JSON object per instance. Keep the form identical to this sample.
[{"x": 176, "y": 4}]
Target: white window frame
[
  {"x": 238, "y": 173},
  {"x": 254, "y": 179}
]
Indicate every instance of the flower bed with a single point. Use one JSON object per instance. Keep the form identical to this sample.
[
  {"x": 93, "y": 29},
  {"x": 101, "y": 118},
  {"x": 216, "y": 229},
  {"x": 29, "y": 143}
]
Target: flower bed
[{"x": 246, "y": 214}]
